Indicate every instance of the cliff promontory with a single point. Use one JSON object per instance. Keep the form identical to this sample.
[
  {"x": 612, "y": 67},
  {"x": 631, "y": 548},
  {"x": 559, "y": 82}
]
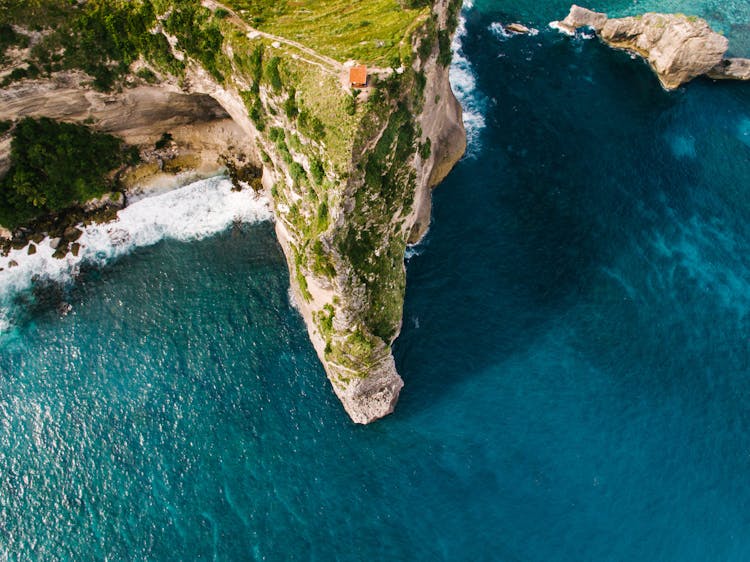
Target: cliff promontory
[
  {"x": 347, "y": 167},
  {"x": 677, "y": 47}
]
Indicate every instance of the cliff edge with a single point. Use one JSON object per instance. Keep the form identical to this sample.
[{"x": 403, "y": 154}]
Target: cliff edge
[{"x": 349, "y": 281}]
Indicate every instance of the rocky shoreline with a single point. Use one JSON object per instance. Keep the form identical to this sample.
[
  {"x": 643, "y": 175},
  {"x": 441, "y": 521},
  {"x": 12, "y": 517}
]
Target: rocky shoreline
[
  {"x": 61, "y": 228},
  {"x": 678, "y": 47}
]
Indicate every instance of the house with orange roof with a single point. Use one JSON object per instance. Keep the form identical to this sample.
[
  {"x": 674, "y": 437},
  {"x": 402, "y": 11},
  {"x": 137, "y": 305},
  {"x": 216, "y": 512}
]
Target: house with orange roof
[{"x": 358, "y": 76}]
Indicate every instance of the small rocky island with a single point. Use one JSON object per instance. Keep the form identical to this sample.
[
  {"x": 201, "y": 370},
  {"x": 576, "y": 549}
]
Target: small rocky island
[{"x": 677, "y": 47}]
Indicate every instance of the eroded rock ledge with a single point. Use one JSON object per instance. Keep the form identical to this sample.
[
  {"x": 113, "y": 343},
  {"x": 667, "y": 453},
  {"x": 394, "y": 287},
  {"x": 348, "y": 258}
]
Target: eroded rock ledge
[{"x": 677, "y": 47}]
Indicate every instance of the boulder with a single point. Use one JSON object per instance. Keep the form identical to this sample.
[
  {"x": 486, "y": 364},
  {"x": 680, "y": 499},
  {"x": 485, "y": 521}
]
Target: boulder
[
  {"x": 61, "y": 252},
  {"x": 32, "y": 249},
  {"x": 583, "y": 17},
  {"x": 517, "y": 28},
  {"x": 71, "y": 234},
  {"x": 113, "y": 199},
  {"x": 731, "y": 69}
]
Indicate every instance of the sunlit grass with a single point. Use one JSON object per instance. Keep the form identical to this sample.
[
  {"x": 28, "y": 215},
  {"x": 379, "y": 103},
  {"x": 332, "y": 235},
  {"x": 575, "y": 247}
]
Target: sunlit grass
[{"x": 369, "y": 31}]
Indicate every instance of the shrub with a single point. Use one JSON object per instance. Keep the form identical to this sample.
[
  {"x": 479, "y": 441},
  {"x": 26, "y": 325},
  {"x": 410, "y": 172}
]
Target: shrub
[
  {"x": 165, "y": 139},
  {"x": 425, "y": 149},
  {"x": 54, "y": 165},
  {"x": 275, "y": 134},
  {"x": 311, "y": 125},
  {"x": 444, "y": 42},
  {"x": 350, "y": 104},
  {"x": 298, "y": 173},
  {"x": 317, "y": 171},
  {"x": 147, "y": 75},
  {"x": 256, "y": 115},
  {"x": 9, "y": 37},
  {"x": 290, "y": 105},
  {"x": 274, "y": 75},
  {"x": 198, "y": 35}
]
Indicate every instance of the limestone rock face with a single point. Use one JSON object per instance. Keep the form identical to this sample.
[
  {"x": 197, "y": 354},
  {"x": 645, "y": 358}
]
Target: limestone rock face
[
  {"x": 583, "y": 17},
  {"x": 348, "y": 276},
  {"x": 678, "y": 47},
  {"x": 371, "y": 398},
  {"x": 731, "y": 69}
]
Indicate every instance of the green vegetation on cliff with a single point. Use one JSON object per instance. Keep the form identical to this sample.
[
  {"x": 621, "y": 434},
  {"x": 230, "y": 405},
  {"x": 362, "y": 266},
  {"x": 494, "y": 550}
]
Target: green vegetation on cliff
[
  {"x": 372, "y": 240},
  {"x": 104, "y": 37},
  {"x": 54, "y": 165}
]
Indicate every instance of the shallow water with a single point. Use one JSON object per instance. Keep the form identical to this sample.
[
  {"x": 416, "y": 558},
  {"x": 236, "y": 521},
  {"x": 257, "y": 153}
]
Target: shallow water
[{"x": 575, "y": 352}]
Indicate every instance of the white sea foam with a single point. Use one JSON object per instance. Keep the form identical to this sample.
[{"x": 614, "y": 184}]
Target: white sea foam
[
  {"x": 464, "y": 84},
  {"x": 582, "y": 33},
  {"x": 502, "y": 33},
  {"x": 189, "y": 213},
  {"x": 499, "y": 30},
  {"x": 415, "y": 250},
  {"x": 562, "y": 29}
]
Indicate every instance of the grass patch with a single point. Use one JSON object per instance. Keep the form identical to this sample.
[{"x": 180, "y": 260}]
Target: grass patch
[{"x": 370, "y": 31}]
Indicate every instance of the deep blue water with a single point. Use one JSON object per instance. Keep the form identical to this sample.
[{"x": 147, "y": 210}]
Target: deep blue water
[{"x": 575, "y": 351}]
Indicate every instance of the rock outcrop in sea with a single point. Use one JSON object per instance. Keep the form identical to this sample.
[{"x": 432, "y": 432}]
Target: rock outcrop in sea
[{"x": 677, "y": 47}]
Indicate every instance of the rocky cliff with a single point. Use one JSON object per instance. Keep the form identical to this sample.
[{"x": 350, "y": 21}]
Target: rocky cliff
[
  {"x": 677, "y": 47},
  {"x": 349, "y": 172},
  {"x": 349, "y": 280}
]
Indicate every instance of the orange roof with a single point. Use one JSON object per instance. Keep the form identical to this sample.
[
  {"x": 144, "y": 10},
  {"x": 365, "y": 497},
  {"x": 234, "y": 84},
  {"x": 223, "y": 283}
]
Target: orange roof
[{"x": 358, "y": 75}]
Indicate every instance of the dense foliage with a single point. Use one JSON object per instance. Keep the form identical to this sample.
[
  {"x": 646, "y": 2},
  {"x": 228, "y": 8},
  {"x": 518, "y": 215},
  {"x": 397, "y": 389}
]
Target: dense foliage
[
  {"x": 9, "y": 37},
  {"x": 54, "y": 165},
  {"x": 198, "y": 34}
]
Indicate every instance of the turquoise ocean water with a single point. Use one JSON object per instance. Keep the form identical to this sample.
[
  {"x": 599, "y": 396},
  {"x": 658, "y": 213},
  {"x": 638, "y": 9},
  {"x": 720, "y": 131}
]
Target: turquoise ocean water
[{"x": 575, "y": 349}]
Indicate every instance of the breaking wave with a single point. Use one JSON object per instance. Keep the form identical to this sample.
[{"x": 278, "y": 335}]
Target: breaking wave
[
  {"x": 463, "y": 80},
  {"x": 192, "y": 212}
]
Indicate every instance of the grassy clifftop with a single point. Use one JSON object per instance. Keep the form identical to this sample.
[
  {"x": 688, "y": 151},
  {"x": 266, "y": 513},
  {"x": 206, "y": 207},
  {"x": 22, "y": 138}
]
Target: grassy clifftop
[{"x": 370, "y": 31}]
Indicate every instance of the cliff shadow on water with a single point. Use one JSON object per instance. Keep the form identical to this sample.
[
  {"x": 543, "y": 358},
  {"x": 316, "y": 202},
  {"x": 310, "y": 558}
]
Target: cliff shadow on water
[{"x": 583, "y": 158}]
